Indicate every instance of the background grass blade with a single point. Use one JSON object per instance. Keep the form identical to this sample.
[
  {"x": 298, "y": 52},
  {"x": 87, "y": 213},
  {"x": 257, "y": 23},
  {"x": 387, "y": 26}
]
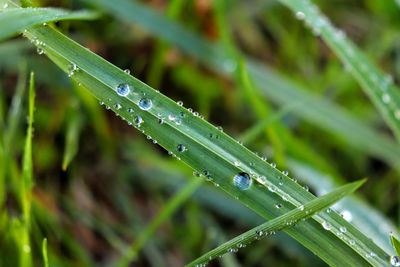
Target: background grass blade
[
  {"x": 14, "y": 20},
  {"x": 170, "y": 207},
  {"x": 215, "y": 157},
  {"x": 321, "y": 112},
  {"x": 288, "y": 219},
  {"x": 74, "y": 125},
  {"x": 44, "y": 253},
  {"x": 378, "y": 86}
]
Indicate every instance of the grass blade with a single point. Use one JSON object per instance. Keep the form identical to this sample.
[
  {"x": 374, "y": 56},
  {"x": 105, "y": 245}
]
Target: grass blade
[
  {"x": 288, "y": 219},
  {"x": 395, "y": 244},
  {"x": 164, "y": 214},
  {"x": 173, "y": 127},
  {"x": 44, "y": 253},
  {"x": 74, "y": 125},
  {"x": 14, "y": 20},
  {"x": 321, "y": 112},
  {"x": 377, "y": 85}
]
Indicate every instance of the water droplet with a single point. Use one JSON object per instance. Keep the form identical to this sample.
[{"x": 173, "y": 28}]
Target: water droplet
[
  {"x": 347, "y": 215},
  {"x": 272, "y": 188},
  {"x": 300, "y": 15},
  {"x": 395, "y": 261},
  {"x": 326, "y": 225},
  {"x": 262, "y": 179},
  {"x": 123, "y": 89},
  {"x": 352, "y": 242},
  {"x": 145, "y": 104},
  {"x": 72, "y": 69},
  {"x": 130, "y": 110},
  {"x": 5, "y": 5},
  {"x": 171, "y": 117},
  {"x": 259, "y": 233},
  {"x": 280, "y": 180},
  {"x": 40, "y": 51},
  {"x": 386, "y": 98},
  {"x": 160, "y": 121},
  {"x": 286, "y": 173},
  {"x": 181, "y": 148},
  {"x": 138, "y": 121},
  {"x": 236, "y": 163},
  {"x": 273, "y": 164},
  {"x": 117, "y": 106},
  {"x": 196, "y": 174},
  {"x": 127, "y": 71},
  {"x": 301, "y": 207},
  {"x": 278, "y": 205},
  {"x": 219, "y": 128},
  {"x": 343, "y": 229},
  {"x": 242, "y": 181},
  {"x": 180, "y": 103}
]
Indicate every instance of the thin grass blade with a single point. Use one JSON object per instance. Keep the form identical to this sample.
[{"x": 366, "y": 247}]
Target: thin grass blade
[
  {"x": 15, "y": 20},
  {"x": 288, "y": 219}
]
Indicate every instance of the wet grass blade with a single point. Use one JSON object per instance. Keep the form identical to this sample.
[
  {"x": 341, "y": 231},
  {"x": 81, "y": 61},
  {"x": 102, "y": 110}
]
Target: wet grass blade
[
  {"x": 15, "y": 20},
  {"x": 208, "y": 150},
  {"x": 44, "y": 253},
  {"x": 170, "y": 207},
  {"x": 377, "y": 85},
  {"x": 286, "y": 220},
  {"x": 321, "y": 112}
]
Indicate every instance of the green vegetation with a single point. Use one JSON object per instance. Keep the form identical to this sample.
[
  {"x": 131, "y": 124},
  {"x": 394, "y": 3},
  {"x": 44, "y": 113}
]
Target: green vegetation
[{"x": 88, "y": 190}]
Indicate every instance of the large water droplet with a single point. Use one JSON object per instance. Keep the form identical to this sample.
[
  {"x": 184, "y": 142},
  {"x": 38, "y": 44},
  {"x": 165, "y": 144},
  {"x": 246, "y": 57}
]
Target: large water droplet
[
  {"x": 123, "y": 89},
  {"x": 395, "y": 261},
  {"x": 145, "y": 103},
  {"x": 242, "y": 181}
]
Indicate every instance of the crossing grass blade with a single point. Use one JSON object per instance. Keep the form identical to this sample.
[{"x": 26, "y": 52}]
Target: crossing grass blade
[
  {"x": 377, "y": 85},
  {"x": 321, "y": 112},
  {"x": 208, "y": 150},
  {"x": 14, "y": 20},
  {"x": 286, "y": 220}
]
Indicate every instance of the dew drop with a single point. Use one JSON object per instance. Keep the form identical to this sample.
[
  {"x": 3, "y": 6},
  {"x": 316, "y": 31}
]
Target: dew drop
[
  {"x": 123, "y": 89},
  {"x": 72, "y": 69},
  {"x": 386, "y": 98},
  {"x": 117, "y": 106},
  {"x": 180, "y": 103},
  {"x": 343, "y": 229},
  {"x": 130, "y": 110},
  {"x": 145, "y": 103},
  {"x": 395, "y": 261},
  {"x": 259, "y": 233},
  {"x": 286, "y": 173},
  {"x": 171, "y": 117},
  {"x": 326, "y": 225},
  {"x": 138, "y": 121},
  {"x": 40, "y": 51},
  {"x": 242, "y": 181},
  {"x": 181, "y": 148},
  {"x": 262, "y": 179},
  {"x": 300, "y": 15},
  {"x": 273, "y": 164},
  {"x": 127, "y": 71},
  {"x": 160, "y": 121},
  {"x": 278, "y": 205}
]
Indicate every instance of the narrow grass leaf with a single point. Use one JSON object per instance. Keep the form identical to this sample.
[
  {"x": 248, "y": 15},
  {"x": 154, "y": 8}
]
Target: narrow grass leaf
[
  {"x": 15, "y": 20},
  {"x": 395, "y": 244},
  {"x": 207, "y": 149},
  {"x": 170, "y": 207},
  {"x": 377, "y": 85},
  {"x": 288, "y": 219}
]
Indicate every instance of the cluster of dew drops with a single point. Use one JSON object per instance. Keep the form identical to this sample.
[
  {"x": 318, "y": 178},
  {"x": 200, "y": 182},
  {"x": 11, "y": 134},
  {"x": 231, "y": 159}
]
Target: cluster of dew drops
[{"x": 318, "y": 22}]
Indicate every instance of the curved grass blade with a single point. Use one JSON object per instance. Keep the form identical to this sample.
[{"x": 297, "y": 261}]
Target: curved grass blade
[
  {"x": 14, "y": 20},
  {"x": 288, "y": 219},
  {"x": 208, "y": 150},
  {"x": 164, "y": 214},
  {"x": 377, "y": 85},
  {"x": 321, "y": 112},
  {"x": 74, "y": 126}
]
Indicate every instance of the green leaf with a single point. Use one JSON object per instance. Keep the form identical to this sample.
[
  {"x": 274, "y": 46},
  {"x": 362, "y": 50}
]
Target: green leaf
[
  {"x": 208, "y": 150},
  {"x": 395, "y": 243},
  {"x": 74, "y": 125},
  {"x": 14, "y": 20},
  {"x": 286, "y": 220},
  {"x": 44, "y": 253},
  {"x": 321, "y": 112},
  {"x": 377, "y": 85}
]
